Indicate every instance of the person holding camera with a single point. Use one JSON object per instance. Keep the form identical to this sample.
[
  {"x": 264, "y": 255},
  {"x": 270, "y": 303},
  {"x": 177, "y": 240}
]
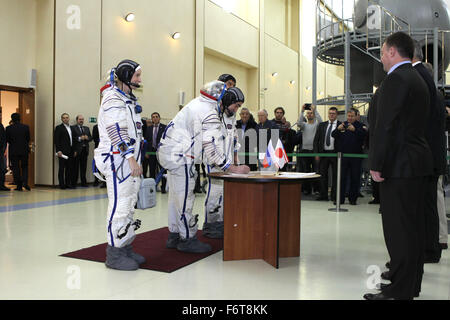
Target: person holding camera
[
  {"x": 349, "y": 138},
  {"x": 308, "y": 126}
]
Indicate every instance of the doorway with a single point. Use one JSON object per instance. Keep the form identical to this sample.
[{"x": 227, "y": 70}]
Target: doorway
[{"x": 22, "y": 101}]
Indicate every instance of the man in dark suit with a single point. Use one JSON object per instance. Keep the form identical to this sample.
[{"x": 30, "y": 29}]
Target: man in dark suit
[
  {"x": 2, "y": 156},
  {"x": 435, "y": 135},
  {"x": 18, "y": 137},
  {"x": 63, "y": 146},
  {"x": 401, "y": 160},
  {"x": 81, "y": 136},
  {"x": 247, "y": 139},
  {"x": 153, "y": 136},
  {"x": 349, "y": 138},
  {"x": 324, "y": 143}
]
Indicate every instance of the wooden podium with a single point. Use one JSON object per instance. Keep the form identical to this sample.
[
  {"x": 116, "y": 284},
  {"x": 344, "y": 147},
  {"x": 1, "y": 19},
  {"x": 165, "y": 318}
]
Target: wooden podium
[{"x": 261, "y": 216}]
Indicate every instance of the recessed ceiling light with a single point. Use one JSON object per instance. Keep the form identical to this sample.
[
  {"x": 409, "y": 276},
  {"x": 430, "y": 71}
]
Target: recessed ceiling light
[
  {"x": 130, "y": 17},
  {"x": 176, "y": 35},
  {"x": 292, "y": 82},
  {"x": 274, "y": 74}
]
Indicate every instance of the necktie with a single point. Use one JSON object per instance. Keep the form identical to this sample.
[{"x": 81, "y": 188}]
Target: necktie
[
  {"x": 155, "y": 132},
  {"x": 328, "y": 137}
]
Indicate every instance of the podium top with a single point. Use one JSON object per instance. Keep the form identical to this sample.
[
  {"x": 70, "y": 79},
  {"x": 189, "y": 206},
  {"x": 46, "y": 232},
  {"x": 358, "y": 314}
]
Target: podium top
[{"x": 264, "y": 176}]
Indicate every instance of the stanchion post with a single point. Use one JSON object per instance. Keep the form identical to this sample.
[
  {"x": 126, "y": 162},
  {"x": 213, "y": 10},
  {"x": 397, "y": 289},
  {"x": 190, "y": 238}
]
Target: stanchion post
[{"x": 338, "y": 186}]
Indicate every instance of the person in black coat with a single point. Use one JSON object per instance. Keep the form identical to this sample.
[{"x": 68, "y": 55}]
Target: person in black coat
[
  {"x": 63, "y": 147},
  {"x": 400, "y": 158},
  {"x": 266, "y": 131},
  {"x": 153, "y": 137},
  {"x": 349, "y": 138},
  {"x": 435, "y": 135},
  {"x": 2, "y": 157},
  {"x": 247, "y": 139},
  {"x": 96, "y": 138},
  {"x": 81, "y": 136},
  {"x": 18, "y": 137},
  {"x": 324, "y": 143}
]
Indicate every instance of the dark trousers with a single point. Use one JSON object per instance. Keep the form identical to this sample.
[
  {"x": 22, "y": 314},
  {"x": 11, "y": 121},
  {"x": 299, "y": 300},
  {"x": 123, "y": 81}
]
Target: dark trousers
[
  {"x": 20, "y": 169},
  {"x": 80, "y": 165},
  {"x": 145, "y": 166},
  {"x": 64, "y": 172},
  {"x": 324, "y": 164},
  {"x": 376, "y": 190},
  {"x": 155, "y": 168},
  {"x": 403, "y": 221},
  {"x": 350, "y": 178},
  {"x": 309, "y": 164},
  {"x": 432, "y": 247},
  {"x": 2, "y": 169}
]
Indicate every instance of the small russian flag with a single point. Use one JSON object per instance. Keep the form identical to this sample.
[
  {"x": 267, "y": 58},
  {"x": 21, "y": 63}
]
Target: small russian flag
[{"x": 267, "y": 162}]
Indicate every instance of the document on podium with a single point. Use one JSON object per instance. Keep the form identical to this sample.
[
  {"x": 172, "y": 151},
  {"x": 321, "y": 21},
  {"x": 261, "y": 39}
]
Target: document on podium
[{"x": 297, "y": 174}]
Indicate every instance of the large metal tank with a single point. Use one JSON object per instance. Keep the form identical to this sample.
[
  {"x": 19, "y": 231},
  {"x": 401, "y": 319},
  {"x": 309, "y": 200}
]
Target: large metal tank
[{"x": 419, "y": 14}]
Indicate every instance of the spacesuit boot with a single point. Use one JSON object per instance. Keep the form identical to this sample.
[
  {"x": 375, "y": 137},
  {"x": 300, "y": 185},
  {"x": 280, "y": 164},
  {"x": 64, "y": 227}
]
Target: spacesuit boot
[
  {"x": 133, "y": 255},
  {"x": 213, "y": 230},
  {"x": 116, "y": 258},
  {"x": 193, "y": 245},
  {"x": 173, "y": 240}
]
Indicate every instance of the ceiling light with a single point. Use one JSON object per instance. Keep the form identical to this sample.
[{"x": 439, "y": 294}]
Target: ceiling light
[
  {"x": 274, "y": 74},
  {"x": 129, "y": 17},
  {"x": 176, "y": 35},
  {"x": 292, "y": 82}
]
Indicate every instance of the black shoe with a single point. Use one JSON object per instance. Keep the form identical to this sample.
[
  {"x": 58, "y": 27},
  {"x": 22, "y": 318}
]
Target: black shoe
[
  {"x": 62, "y": 187},
  {"x": 27, "y": 187},
  {"x": 386, "y": 275},
  {"x": 353, "y": 203},
  {"x": 388, "y": 264},
  {"x": 3, "y": 188},
  {"x": 360, "y": 195},
  {"x": 322, "y": 199},
  {"x": 18, "y": 189},
  {"x": 443, "y": 246},
  {"x": 84, "y": 185},
  {"x": 377, "y": 296},
  {"x": 431, "y": 260},
  {"x": 374, "y": 201}
]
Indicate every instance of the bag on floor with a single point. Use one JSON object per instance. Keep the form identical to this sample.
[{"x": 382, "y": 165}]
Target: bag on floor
[{"x": 147, "y": 194}]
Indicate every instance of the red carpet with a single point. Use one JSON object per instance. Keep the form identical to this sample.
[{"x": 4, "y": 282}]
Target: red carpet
[{"x": 152, "y": 245}]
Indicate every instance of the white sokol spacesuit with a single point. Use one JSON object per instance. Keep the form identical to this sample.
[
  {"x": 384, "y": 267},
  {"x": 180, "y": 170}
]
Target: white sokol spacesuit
[
  {"x": 195, "y": 133},
  {"x": 213, "y": 226},
  {"x": 120, "y": 131}
]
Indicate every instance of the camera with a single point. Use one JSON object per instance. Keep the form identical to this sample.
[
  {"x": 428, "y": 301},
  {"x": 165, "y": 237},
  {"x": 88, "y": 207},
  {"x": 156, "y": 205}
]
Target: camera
[{"x": 308, "y": 106}]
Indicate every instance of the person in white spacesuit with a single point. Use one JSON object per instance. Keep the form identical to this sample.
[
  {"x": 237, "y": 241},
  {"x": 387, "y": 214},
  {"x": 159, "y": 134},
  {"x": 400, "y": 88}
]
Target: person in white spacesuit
[
  {"x": 195, "y": 131},
  {"x": 213, "y": 225},
  {"x": 118, "y": 158}
]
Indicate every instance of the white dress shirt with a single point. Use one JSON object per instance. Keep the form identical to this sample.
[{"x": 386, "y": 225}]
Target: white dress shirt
[
  {"x": 331, "y": 146},
  {"x": 69, "y": 131}
]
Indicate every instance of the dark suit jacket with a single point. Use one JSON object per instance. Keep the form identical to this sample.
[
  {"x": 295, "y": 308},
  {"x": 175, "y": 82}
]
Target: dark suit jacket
[
  {"x": 76, "y": 133},
  {"x": 18, "y": 137},
  {"x": 2, "y": 139},
  {"x": 349, "y": 141},
  {"x": 149, "y": 136},
  {"x": 398, "y": 148},
  {"x": 62, "y": 140},
  {"x": 319, "y": 138},
  {"x": 435, "y": 131}
]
